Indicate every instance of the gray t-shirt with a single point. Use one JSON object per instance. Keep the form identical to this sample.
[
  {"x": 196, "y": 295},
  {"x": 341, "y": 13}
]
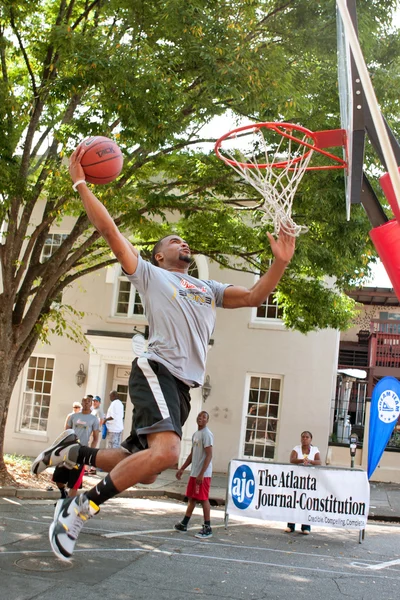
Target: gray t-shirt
[
  {"x": 83, "y": 425},
  {"x": 202, "y": 438},
  {"x": 98, "y": 412},
  {"x": 181, "y": 311}
]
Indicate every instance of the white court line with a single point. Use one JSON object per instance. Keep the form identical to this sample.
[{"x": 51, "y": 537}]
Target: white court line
[
  {"x": 44, "y": 524},
  {"x": 141, "y": 532},
  {"x": 384, "y": 565},
  {"x": 12, "y": 501},
  {"x": 212, "y": 558},
  {"x": 241, "y": 547}
]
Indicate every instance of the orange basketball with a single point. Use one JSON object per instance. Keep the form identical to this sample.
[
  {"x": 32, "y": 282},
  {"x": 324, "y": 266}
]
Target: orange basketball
[{"x": 102, "y": 161}]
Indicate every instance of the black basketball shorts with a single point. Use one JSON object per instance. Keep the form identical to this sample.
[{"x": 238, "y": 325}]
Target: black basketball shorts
[
  {"x": 69, "y": 477},
  {"x": 161, "y": 402}
]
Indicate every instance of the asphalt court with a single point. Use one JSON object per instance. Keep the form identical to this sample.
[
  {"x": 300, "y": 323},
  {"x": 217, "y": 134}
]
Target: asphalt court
[{"x": 130, "y": 550}]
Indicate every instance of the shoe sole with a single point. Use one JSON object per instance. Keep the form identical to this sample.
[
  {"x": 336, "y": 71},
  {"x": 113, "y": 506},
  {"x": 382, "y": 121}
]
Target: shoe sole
[
  {"x": 203, "y": 537},
  {"x": 39, "y": 459}
]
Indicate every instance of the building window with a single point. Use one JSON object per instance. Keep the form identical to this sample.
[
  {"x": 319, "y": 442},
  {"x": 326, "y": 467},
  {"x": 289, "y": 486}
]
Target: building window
[
  {"x": 37, "y": 394},
  {"x": 53, "y": 242},
  {"x": 128, "y": 299},
  {"x": 270, "y": 309},
  {"x": 262, "y": 417},
  {"x": 390, "y": 323},
  {"x": 348, "y": 409}
]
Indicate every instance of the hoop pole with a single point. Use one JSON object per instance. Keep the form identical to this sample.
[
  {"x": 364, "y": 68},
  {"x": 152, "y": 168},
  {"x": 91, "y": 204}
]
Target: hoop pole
[{"x": 370, "y": 96}]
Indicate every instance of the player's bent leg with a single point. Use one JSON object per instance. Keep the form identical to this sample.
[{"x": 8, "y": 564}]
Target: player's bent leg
[
  {"x": 144, "y": 466},
  {"x": 107, "y": 459},
  {"x": 71, "y": 514}
]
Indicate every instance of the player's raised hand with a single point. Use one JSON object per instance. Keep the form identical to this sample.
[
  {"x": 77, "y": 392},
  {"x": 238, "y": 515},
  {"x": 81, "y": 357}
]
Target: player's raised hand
[
  {"x": 283, "y": 247},
  {"x": 75, "y": 167}
]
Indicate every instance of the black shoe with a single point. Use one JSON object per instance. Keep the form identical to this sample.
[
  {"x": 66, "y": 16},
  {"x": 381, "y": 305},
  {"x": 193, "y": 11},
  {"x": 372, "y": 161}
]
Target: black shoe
[
  {"x": 205, "y": 532},
  {"x": 180, "y": 527}
]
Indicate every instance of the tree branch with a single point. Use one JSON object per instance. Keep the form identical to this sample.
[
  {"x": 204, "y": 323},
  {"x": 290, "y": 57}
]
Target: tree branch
[
  {"x": 24, "y": 53},
  {"x": 85, "y": 13}
]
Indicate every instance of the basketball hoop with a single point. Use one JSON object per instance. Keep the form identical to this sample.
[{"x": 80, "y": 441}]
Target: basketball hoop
[{"x": 273, "y": 157}]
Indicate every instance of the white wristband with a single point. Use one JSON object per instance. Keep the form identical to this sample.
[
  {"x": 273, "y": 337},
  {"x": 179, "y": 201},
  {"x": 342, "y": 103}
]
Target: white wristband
[{"x": 77, "y": 183}]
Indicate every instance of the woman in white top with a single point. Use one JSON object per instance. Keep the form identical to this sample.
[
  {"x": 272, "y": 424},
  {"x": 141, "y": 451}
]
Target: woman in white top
[{"x": 304, "y": 454}]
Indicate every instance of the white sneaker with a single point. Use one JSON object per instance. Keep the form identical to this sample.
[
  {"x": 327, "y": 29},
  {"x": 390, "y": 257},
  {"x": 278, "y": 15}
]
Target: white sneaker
[
  {"x": 69, "y": 518},
  {"x": 57, "y": 453}
]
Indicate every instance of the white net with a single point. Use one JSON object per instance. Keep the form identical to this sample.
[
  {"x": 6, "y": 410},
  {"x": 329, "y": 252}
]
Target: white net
[{"x": 273, "y": 161}]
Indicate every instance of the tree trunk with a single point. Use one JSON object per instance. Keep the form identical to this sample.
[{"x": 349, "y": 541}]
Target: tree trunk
[{"x": 10, "y": 369}]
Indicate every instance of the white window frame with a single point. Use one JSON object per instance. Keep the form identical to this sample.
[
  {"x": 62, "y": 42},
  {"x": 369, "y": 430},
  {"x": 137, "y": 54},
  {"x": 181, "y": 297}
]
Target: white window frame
[
  {"x": 269, "y": 302},
  {"x": 245, "y": 415},
  {"x": 131, "y": 303},
  {"x": 25, "y": 391},
  {"x": 53, "y": 246},
  {"x": 266, "y": 322}
]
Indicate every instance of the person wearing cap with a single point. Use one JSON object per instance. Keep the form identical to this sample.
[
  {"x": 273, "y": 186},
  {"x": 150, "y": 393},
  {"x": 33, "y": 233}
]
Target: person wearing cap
[{"x": 98, "y": 412}]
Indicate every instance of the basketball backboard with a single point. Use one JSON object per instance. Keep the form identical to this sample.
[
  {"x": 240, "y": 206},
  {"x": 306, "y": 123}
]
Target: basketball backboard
[{"x": 351, "y": 99}]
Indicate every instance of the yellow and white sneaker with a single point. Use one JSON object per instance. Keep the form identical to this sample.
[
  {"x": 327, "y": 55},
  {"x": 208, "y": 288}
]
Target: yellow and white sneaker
[{"x": 69, "y": 517}]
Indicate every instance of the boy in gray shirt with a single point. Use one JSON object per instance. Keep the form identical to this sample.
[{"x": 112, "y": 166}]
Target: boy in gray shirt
[
  {"x": 84, "y": 425},
  {"x": 198, "y": 487}
]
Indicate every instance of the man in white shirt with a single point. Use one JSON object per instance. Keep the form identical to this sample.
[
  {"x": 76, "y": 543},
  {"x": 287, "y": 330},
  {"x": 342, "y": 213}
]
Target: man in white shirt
[{"x": 115, "y": 421}]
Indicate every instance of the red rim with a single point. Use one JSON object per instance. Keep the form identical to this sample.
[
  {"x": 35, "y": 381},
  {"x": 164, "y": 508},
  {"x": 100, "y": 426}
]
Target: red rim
[{"x": 281, "y": 165}]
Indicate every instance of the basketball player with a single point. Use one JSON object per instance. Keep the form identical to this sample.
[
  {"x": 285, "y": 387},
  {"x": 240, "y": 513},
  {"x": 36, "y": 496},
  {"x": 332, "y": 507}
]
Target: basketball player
[{"x": 181, "y": 312}]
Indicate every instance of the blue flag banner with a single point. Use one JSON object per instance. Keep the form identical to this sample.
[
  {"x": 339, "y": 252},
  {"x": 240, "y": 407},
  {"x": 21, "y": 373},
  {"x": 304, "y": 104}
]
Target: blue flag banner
[{"x": 385, "y": 410}]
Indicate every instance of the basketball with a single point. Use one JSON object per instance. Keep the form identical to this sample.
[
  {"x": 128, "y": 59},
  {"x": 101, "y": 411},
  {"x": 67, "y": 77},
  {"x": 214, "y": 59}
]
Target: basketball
[{"x": 102, "y": 161}]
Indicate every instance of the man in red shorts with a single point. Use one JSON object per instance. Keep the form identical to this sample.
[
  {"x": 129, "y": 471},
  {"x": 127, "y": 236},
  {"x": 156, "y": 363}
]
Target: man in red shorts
[{"x": 198, "y": 487}]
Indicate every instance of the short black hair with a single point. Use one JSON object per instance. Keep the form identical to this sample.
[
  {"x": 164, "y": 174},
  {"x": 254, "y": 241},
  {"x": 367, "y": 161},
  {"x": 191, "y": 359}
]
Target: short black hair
[
  {"x": 309, "y": 433},
  {"x": 156, "y": 249}
]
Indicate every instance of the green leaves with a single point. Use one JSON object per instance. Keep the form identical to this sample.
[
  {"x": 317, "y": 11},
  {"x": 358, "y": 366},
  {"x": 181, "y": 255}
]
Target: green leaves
[{"x": 151, "y": 75}]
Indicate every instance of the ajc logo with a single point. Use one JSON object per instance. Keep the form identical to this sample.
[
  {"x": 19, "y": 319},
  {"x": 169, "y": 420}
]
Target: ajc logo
[
  {"x": 388, "y": 406},
  {"x": 243, "y": 487}
]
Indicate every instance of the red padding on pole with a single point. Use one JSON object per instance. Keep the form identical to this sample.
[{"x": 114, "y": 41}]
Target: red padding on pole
[
  {"x": 386, "y": 185},
  {"x": 386, "y": 239}
]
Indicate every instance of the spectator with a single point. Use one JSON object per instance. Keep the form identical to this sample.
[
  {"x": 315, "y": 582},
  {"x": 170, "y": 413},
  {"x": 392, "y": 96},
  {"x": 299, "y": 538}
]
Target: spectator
[
  {"x": 198, "y": 488},
  {"x": 115, "y": 421},
  {"x": 304, "y": 454},
  {"x": 97, "y": 411},
  {"x": 84, "y": 425}
]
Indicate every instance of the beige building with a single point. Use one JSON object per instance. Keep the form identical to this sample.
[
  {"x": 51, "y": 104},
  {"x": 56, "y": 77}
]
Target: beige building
[{"x": 265, "y": 384}]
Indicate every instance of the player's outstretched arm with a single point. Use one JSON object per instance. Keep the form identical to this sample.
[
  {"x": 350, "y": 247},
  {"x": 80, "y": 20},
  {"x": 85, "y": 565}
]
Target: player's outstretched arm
[
  {"x": 283, "y": 250},
  {"x": 126, "y": 254}
]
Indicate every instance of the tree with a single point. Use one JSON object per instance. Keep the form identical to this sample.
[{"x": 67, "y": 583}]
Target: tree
[{"x": 151, "y": 75}]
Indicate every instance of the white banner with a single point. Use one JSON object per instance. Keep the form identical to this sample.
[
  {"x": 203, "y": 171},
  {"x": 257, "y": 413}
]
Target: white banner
[{"x": 310, "y": 495}]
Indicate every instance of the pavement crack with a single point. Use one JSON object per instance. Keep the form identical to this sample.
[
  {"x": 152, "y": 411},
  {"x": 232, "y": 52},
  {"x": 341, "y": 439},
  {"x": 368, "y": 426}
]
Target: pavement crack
[{"x": 339, "y": 589}]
